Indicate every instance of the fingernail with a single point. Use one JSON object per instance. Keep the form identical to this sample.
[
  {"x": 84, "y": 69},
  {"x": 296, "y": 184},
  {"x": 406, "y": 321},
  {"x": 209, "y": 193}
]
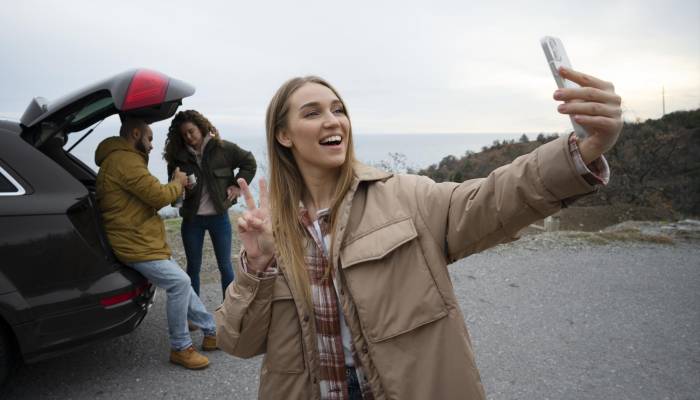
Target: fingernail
[
  {"x": 561, "y": 107},
  {"x": 557, "y": 94}
]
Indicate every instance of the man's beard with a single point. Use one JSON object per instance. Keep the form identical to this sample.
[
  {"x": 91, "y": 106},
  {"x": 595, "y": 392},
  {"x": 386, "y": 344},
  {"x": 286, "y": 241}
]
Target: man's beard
[{"x": 142, "y": 148}]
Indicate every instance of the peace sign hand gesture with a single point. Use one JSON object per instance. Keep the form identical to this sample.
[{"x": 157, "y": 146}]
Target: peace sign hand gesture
[{"x": 255, "y": 228}]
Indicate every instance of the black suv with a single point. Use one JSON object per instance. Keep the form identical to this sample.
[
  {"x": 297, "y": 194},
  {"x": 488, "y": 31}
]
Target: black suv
[{"x": 60, "y": 284}]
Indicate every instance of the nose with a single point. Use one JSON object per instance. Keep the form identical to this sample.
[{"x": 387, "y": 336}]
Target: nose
[{"x": 330, "y": 120}]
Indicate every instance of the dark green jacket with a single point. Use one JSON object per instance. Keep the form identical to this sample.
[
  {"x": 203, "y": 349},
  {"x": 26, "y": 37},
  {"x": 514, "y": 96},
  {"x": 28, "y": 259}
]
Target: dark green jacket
[{"x": 219, "y": 160}]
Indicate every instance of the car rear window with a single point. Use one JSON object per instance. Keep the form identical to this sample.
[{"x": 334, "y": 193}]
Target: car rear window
[
  {"x": 8, "y": 185},
  {"x": 92, "y": 108}
]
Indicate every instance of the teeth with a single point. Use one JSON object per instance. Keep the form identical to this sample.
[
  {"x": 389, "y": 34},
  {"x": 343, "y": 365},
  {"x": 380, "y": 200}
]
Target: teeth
[{"x": 334, "y": 138}]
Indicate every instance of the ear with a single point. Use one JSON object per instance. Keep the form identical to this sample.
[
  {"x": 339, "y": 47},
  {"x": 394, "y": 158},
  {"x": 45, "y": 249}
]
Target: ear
[
  {"x": 135, "y": 134},
  {"x": 283, "y": 138}
]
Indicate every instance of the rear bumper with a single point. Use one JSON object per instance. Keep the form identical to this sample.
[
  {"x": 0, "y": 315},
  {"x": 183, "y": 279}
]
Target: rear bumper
[{"x": 99, "y": 323}]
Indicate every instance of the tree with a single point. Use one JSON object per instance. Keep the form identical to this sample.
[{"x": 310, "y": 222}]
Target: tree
[
  {"x": 397, "y": 163},
  {"x": 524, "y": 139}
]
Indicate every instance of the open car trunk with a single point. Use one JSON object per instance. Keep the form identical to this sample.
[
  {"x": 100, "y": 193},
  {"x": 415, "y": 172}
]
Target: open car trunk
[
  {"x": 142, "y": 93},
  {"x": 65, "y": 285}
]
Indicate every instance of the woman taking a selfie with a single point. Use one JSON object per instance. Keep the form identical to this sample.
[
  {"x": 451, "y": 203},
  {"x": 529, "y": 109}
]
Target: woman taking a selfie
[
  {"x": 194, "y": 145},
  {"x": 343, "y": 281}
]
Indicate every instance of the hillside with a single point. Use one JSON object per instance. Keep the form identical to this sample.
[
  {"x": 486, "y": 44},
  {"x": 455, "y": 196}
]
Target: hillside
[{"x": 655, "y": 164}]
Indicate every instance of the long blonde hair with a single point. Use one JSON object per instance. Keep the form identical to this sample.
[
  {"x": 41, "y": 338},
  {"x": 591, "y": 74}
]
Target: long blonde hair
[{"x": 287, "y": 186}]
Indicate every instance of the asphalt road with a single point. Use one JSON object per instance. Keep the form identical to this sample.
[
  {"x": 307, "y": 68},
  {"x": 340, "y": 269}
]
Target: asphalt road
[{"x": 549, "y": 320}]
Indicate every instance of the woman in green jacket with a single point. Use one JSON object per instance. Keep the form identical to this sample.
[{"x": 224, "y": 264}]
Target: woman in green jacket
[{"x": 194, "y": 145}]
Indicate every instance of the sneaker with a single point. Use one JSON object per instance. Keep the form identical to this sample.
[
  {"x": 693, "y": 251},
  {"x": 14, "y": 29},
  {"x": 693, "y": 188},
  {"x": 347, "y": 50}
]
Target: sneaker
[
  {"x": 209, "y": 343},
  {"x": 189, "y": 358},
  {"x": 192, "y": 327}
]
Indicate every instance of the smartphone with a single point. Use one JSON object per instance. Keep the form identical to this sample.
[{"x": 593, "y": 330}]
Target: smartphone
[{"x": 556, "y": 57}]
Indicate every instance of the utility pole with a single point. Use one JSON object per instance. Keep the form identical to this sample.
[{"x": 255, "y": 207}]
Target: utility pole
[{"x": 663, "y": 100}]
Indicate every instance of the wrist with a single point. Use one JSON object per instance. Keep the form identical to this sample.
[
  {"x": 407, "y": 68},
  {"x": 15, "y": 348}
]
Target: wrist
[
  {"x": 589, "y": 151},
  {"x": 259, "y": 263}
]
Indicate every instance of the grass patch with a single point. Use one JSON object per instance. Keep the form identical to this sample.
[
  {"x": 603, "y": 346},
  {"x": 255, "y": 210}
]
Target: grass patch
[
  {"x": 591, "y": 237},
  {"x": 173, "y": 224},
  {"x": 624, "y": 235},
  {"x": 634, "y": 235}
]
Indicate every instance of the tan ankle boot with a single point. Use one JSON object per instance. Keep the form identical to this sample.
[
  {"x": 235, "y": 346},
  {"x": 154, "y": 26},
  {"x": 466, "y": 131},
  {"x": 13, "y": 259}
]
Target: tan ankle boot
[
  {"x": 189, "y": 358},
  {"x": 209, "y": 343}
]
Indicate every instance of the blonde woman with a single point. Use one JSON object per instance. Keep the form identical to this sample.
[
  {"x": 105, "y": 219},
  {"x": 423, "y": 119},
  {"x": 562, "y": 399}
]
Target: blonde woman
[{"x": 343, "y": 280}]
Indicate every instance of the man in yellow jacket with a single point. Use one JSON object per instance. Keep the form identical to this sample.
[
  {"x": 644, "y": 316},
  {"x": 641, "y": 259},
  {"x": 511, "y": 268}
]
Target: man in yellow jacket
[{"x": 129, "y": 198}]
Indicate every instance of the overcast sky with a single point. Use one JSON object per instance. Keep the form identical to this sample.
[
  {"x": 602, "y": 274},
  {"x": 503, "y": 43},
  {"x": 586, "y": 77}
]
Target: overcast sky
[{"x": 402, "y": 67}]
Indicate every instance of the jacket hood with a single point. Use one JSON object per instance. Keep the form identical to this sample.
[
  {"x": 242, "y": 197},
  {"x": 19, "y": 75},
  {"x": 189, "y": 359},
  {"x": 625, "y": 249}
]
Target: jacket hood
[{"x": 111, "y": 145}]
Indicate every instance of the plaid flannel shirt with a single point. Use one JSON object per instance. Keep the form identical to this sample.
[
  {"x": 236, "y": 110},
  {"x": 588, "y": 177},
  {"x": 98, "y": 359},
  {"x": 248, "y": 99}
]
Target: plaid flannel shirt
[
  {"x": 329, "y": 342},
  {"x": 327, "y": 314}
]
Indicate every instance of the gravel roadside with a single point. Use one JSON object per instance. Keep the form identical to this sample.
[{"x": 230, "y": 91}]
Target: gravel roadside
[
  {"x": 608, "y": 315},
  {"x": 553, "y": 318}
]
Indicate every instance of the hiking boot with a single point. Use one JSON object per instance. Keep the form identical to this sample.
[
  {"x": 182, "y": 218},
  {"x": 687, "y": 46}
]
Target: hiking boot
[
  {"x": 189, "y": 358},
  {"x": 192, "y": 327},
  {"x": 209, "y": 343}
]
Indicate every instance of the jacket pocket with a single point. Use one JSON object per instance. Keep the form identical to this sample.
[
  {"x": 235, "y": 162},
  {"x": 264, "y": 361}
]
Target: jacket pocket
[
  {"x": 223, "y": 173},
  {"x": 223, "y": 178},
  {"x": 284, "y": 352},
  {"x": 390, "y": 281}
]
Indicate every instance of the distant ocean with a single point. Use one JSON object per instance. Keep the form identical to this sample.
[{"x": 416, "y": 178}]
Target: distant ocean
[{"x": 420, "y": 150}]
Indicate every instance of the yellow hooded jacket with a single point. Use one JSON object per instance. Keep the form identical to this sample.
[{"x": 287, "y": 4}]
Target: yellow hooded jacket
[{"x": 129, "y": 198}]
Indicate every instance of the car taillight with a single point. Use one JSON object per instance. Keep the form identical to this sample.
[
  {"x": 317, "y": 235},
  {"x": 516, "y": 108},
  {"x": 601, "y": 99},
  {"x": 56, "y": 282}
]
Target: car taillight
[
  {"x": 146, "y": 88},
  {"x": 123, "y": 297}
]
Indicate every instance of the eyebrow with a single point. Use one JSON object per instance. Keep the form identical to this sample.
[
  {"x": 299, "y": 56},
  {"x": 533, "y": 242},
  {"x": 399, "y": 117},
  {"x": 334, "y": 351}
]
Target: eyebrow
[{"x": 316, "y": 104}]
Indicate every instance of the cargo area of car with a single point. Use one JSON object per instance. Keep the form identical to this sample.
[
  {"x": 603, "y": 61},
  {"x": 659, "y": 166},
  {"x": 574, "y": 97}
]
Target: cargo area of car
[
  {"x": 53, "y": 148},
  {"x": 85, "y": 215}
]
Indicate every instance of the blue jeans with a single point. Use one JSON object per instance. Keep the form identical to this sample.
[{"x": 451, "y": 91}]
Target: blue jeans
[
  {"x": 354, "y": 391},
  {"x": 182, "y": 303},
  {"x": 219, "y": 228}
]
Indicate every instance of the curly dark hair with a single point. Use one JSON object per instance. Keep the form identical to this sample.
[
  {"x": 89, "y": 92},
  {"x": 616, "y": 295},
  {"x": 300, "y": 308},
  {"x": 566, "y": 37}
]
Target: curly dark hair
[{"x": 174, "y": 142}]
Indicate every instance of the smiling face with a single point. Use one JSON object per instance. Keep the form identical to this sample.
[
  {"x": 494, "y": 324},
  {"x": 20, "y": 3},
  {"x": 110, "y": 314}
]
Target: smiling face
[
  {"x": 191, "y": 135},
  {"x": 317, "y": 129}
]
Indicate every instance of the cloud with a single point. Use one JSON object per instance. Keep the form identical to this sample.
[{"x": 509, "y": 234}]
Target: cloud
[{"x": 402, "y": 66}]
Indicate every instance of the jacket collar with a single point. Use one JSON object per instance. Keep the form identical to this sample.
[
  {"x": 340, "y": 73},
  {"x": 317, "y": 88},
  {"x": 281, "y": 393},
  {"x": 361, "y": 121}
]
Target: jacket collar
[
  {"x": 187, "y": 153},
  {"x": 364, "y": 173},
  {"x": 205, "y": 142}
]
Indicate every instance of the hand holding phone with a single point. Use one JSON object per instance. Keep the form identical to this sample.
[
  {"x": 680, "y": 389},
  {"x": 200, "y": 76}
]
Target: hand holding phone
[{"x": 556, "y": 57}]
